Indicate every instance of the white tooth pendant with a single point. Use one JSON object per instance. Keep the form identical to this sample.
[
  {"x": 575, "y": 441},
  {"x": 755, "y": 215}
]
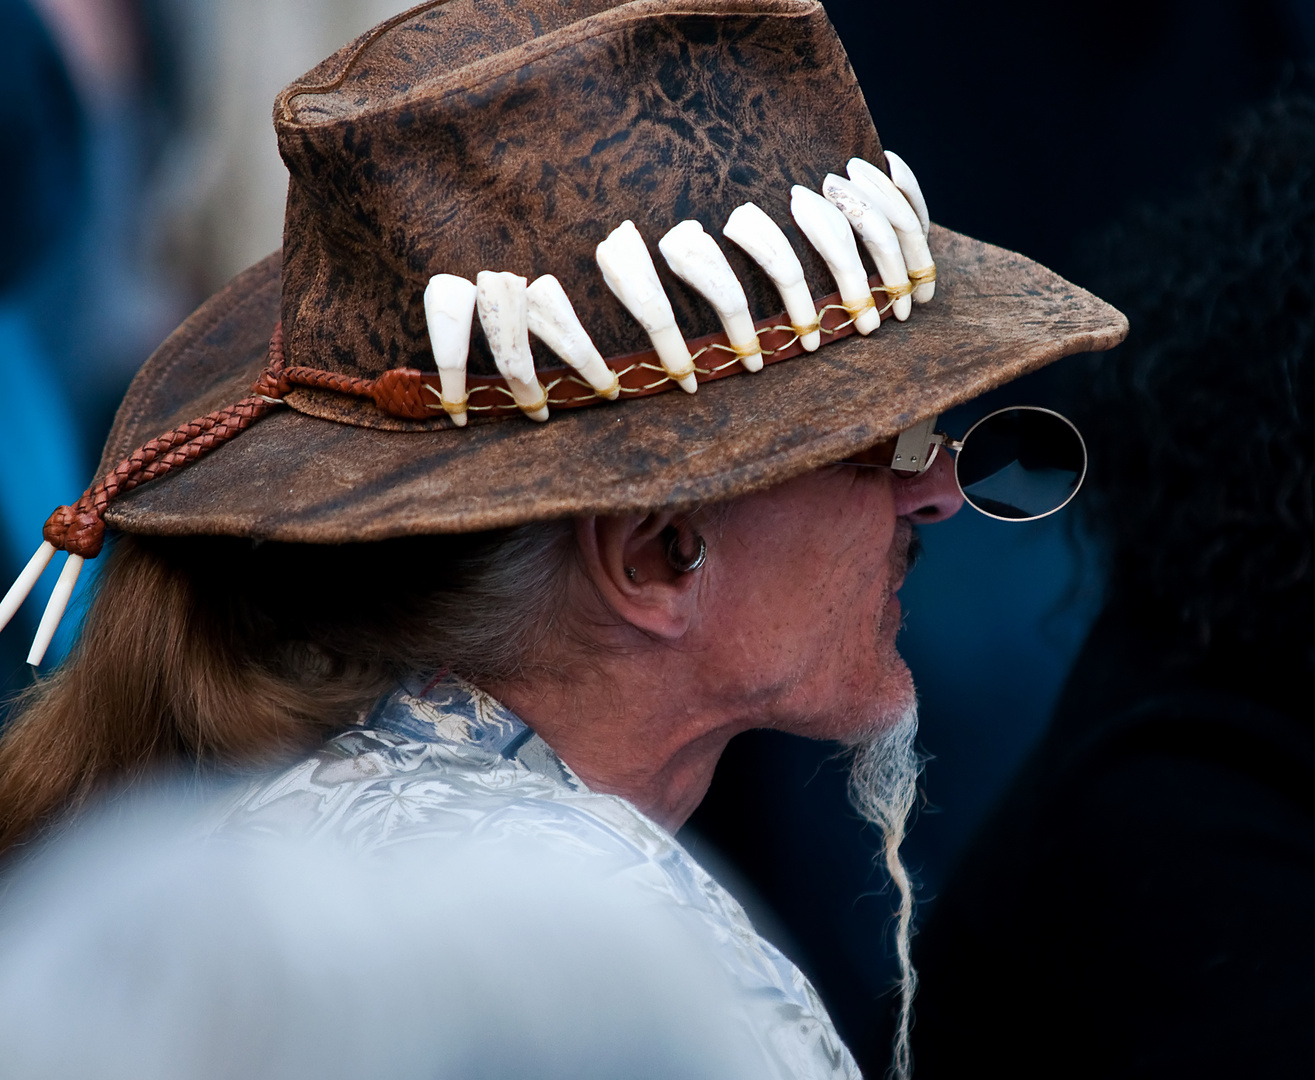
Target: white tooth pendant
[
  {"x": 629, "y": 272},
  {"x": 878, "y": 237},
  {"x": 695, "y": 258},
  {"x": 19, "y": 590},
  {"x": 763, "y": 241},
  {"x": 553, "y": 321},
  {"x": 908, "y": 184},
  {"x": 828, "y": 230},
  {"x": 449, "y": 311},
  {"x": 881, "y": 190},
  {"x": 504, "y": 315},
  {"x": 59, "y": 599}
]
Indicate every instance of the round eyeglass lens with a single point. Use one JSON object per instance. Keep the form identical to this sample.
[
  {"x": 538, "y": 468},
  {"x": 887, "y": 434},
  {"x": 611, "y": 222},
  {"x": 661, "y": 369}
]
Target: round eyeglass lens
[{"x": 1022, "y": 463}]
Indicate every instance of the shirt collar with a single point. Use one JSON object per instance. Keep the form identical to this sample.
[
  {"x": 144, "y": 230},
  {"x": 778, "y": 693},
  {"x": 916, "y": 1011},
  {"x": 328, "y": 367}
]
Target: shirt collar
[{"x": 450, "y": 711}]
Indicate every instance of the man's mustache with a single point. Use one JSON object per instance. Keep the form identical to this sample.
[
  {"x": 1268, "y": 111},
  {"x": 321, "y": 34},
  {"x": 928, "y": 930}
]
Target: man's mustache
[
  {"x": 906, "y": 554},
  {"x": 915, "y": 551}
]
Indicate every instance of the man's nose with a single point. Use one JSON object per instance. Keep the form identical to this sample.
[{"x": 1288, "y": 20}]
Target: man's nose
[{"x": 929, "y": 496}]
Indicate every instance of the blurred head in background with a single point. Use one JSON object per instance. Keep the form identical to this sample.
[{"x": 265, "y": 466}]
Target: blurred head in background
[
  {"x": 135, "y": 951},
  {"x": 1202, "y": 427}
]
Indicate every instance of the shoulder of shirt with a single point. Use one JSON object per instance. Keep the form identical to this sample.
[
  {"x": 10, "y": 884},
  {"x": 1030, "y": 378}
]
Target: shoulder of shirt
[{"x": 370, "y": 780}]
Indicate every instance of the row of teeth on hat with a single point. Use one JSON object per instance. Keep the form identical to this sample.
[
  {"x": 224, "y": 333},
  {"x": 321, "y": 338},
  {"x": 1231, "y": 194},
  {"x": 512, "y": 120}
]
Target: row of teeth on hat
[{"x": 888, "y": 213}]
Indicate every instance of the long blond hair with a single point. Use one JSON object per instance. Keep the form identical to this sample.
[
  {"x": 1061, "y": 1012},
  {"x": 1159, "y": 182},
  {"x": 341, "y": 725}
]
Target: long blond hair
[{"x": 212, "y": 653}]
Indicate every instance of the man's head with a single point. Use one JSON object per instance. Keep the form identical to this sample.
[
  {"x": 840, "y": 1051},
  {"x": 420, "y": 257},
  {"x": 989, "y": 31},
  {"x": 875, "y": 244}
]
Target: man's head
[
  {"x": 789, "y": 623},
  {"x": 791, "y": 620}
]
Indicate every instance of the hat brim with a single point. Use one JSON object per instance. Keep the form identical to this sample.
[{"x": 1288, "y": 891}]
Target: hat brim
[{"x": 293, "y": 477}]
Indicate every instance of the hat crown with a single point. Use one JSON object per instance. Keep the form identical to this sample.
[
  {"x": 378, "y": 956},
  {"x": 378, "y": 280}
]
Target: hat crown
[{"x": 469, "y": 136}]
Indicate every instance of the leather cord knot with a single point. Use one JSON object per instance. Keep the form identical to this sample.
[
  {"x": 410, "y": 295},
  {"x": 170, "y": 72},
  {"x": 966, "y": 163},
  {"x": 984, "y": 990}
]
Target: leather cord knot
[
  {"x": 399, "y": 393},
  {"x": 77, "y": 529},
  {"x": 80, "y": 529},
  {"x": 273, "y": 382}
]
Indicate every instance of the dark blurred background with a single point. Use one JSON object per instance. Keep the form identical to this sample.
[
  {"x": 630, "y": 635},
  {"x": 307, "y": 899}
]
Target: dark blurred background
[{"x": 141, "y": 173}]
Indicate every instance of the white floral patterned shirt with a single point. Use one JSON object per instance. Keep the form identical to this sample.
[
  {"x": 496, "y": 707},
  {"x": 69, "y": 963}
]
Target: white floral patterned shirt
[{"x": 446, "y": 760}]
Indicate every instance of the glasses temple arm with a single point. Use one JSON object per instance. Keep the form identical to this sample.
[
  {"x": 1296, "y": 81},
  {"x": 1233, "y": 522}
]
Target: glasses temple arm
[{"x": 912, "y": 451}]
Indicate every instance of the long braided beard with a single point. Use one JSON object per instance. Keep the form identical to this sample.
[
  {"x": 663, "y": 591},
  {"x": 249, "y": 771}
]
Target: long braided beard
[{"x": 883, "y": 783}]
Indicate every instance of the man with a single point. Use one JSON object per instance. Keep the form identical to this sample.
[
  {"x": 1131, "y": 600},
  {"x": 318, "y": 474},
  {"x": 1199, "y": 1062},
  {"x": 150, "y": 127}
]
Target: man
[{"x": 583, "y": 603}]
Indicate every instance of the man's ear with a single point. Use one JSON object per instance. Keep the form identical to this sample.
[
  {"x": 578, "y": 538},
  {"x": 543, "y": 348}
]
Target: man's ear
[{"x": 625, "y": 557}]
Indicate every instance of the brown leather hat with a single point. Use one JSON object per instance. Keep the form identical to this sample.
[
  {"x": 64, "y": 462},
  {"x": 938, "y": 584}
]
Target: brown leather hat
[{"x": 515, "y": 135}]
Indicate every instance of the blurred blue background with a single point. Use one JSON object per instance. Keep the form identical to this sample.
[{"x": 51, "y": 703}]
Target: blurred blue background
[{"x": 141, "y": 173}]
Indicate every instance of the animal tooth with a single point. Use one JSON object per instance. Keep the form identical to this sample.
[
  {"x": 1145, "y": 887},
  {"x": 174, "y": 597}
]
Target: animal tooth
[
  {"x": 828, "y": 230},
  {"x": 881, "y": 190},
  {"x": 629, "y": 272},
  {"x": 908, "y": 184},
  {"x": 696, "y": 259},
  {"x": 55, "y": 608},
  {"x": 875, "y": 230},
  {"x": 553, "y": 321},
  {"x": 18, "y": 591},
  {"x": 449, "y": 311},
  {"x": 504, "y": 315},
  {"x": 751, "y": 228}
]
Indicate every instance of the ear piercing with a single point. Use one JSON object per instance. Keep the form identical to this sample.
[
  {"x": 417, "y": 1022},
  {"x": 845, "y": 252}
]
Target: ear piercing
[{"x": 678, "y": 561}]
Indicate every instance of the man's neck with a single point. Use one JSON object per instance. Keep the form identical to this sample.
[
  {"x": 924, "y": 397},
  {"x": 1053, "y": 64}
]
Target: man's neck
[{"x": 631, "y": 729}]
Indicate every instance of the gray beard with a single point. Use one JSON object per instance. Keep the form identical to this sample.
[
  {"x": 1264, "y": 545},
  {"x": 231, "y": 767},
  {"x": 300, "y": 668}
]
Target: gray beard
[{"x": 883, "y": 783}]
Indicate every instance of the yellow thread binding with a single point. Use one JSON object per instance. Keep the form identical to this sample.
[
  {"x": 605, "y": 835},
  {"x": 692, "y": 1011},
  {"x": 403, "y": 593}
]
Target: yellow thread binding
[
  {"x": 836, "y": 307},
  {"x": 863, "y": 305},
  {"x": 745, "y": 351},
  {"x": 543, "y": 400},
  {"x": 923, "y": 276}
]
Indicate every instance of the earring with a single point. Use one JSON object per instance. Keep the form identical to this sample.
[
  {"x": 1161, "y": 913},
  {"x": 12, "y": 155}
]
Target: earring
[
  {"x": 631, "y": 572},
  {"x": 677, "y": 561}
]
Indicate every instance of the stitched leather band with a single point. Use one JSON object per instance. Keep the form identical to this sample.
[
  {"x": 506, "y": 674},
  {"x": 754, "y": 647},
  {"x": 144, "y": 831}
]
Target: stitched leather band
[
  {"x": 79, "y": 529},
  {"x": 417, "y": 395}
]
